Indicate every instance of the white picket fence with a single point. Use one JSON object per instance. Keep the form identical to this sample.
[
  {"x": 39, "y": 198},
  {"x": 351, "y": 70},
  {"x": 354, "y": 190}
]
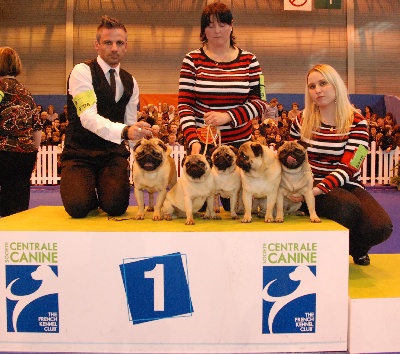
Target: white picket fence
[
  {"x": 46, "y": 171},
  {"x": 376, "y": 169}
]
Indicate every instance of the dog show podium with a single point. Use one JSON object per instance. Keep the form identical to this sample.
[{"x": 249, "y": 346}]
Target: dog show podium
[{"x": 120, "y": 285}]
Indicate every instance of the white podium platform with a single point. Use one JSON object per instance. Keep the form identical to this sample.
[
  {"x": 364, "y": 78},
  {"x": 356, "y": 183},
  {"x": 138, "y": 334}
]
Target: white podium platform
[
  {"x": 106, "y": 286},
  {"x": 374, "y": 305}
]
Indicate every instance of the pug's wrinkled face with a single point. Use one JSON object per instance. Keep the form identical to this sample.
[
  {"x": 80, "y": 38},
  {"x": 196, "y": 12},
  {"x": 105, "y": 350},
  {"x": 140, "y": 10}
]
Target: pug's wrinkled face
[
  {"x": 292, "y": 154},
  {"x": 224, "y": 157},
  {"x": 150, "y": 153},
  {"x": 250, "y": 156},
  {"x": 196, "y": 166}
]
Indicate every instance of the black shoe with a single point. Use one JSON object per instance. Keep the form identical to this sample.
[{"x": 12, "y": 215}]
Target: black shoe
[{"x": 362, "y": 261}]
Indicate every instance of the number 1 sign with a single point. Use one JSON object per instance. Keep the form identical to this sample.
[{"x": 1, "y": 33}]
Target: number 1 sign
[{"x": 156, "y": 287}]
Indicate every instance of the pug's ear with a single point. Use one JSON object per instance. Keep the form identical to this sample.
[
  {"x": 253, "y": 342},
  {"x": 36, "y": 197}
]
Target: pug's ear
[
  {"x": 208, "y": 158},
  {"x": 183, "y": 160},
  {"x": 303, "y": 144},
  {"x": 257, "y": 149},
  {"x": 139, "y": 142},
  {"x": 235, "y": 150},
  {"x": 162, "y": 145},
  {"x": 211, "y": 151}
]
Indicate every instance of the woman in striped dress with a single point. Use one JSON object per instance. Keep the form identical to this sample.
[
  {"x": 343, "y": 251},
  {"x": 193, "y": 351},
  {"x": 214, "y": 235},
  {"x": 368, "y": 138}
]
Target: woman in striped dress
[
  {"x": 219, "y": 84},
  {"x": 338, "y": 138}
]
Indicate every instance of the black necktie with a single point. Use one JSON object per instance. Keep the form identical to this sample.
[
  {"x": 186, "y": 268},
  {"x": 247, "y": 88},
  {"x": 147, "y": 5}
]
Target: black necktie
[{"x": 112, "y": 81}]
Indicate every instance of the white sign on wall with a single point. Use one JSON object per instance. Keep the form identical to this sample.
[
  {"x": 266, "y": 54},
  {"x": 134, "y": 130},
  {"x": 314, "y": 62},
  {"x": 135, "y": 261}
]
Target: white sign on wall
[{"x": 297, "y": 5}]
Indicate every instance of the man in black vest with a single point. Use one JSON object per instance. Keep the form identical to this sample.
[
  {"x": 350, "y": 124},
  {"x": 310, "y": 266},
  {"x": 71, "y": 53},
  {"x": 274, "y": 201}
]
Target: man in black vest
[{"x": 102, "y": 113}]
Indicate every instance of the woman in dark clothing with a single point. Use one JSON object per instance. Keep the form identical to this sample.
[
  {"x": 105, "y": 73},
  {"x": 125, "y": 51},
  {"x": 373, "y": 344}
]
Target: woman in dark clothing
[{"x": 20, "y": 133}]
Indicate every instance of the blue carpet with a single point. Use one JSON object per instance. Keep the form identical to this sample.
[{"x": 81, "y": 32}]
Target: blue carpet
[{"x": 388, "y": 197}]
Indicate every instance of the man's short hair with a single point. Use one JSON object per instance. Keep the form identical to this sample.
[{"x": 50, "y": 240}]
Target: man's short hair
[{"x": 109, "y": 23}]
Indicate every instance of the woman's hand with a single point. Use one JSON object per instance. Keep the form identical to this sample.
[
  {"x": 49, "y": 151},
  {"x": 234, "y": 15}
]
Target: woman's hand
[
  {"x": 317, "y": 191},
  {"x": 195, "y": 148},
  {"x": 296, "y": 198},
  {"x": 214, "y": 118}
]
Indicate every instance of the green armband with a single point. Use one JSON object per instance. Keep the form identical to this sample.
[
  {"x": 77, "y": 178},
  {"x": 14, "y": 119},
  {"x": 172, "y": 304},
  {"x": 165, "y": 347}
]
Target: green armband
[
  {"x": 263, "y": 96},
  {"x": 359, "y": 156},
  {"x": 84, "y": 100}
]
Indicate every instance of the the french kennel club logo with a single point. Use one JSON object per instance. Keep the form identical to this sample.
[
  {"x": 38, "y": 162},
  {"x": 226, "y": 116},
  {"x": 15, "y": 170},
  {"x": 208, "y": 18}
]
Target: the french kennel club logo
[
  {"x": 289, "y": 288},
  {"x": 156, "y": 287},
  {"x": 31, "y": 289}
]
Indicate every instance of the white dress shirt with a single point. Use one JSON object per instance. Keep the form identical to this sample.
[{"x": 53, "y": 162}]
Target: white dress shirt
[{"x": 81, "y": 81}]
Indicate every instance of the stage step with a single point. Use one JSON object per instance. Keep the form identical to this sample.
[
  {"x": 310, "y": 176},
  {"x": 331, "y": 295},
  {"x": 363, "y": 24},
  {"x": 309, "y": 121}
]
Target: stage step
[{"x": 374, "y": 305}]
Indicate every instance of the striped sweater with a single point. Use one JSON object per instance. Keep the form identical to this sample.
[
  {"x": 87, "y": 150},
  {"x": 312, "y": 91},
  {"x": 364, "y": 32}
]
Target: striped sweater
[
  {"x": 233, "y": 87},
  {"x": 330, "y": 153}
]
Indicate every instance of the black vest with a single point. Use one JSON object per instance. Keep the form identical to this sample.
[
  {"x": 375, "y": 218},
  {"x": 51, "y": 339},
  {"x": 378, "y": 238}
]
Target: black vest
[{"x": 80, "y": 142}]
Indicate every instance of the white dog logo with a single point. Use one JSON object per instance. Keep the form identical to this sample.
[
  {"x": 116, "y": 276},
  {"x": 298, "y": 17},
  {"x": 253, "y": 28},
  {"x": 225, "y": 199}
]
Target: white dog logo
[
  {"x": 307, "y": 286},
  {"x": 49, "y": 286}
]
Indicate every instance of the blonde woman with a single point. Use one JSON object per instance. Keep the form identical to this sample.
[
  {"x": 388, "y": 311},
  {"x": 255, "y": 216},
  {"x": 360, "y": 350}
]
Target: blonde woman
[{"x": 338, "y": 138}]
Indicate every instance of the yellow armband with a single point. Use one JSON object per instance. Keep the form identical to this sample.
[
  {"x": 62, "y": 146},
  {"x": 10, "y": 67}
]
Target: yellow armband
[
  {"x": 84, "y": 100},
  {"x": 1, "y": 95}
]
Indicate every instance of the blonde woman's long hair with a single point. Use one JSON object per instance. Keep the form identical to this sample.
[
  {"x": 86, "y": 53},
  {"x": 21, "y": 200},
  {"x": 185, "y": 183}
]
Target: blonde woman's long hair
[{"x": 311, "y": 117}]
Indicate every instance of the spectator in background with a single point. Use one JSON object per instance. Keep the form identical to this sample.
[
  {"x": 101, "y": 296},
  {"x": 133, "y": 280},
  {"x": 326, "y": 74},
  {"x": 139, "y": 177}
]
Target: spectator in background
[
  {"x": 278, "y": 141},
  {"x": 44, "y": 119},
  {"x": 256, "y": 124},
  {"x": 55, "y": 139},
  {"x": 270, "y": 134},
  {"x": 271, "y": 112},
  {"x": 373, "y": 118},
  {"x": 372, "y": 134},
  {"x": 62, "y": 141},
  {"x": 172, "y": 113},
  {"x": 294, "y": 112},
  {"x": 56, "y": 125},
  {"x": 380, "y": 124},
  {"x": 271, "y": 127},
  {"x": 279, "y": 106},
  {"x": 64, "y": 115},
  {"x": 387, "y": 142},
  {"x": 39, "y": 108},
  {"x": 51, "y": 114},
  {"x": 153, "y": 111},
  {"x": 172, "y": 140},
  {"x": 367, "y": 113},
  {"x": 258, "y": 138},
  {"x": 20, "y": 136},
  {"x": 389, "y": 119},
  {"x": 63, "y": 127},
  {"x": 146, "y": 118},
  {"x": 156, "y": 131},
  {"x": 396, "y": 135},
  {"x": 165, "y": 113},
  {"x": 43, "y": 140},
  {"x": 174, "y": 129},
  {"x": 48, "y": 131},
  {"x": 285, "y": 120}
]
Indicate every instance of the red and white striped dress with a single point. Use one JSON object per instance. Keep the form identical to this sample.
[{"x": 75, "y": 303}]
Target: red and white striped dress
[
  {"x": 330, "y": 153},
  {"x": 232, "y": 87}
]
